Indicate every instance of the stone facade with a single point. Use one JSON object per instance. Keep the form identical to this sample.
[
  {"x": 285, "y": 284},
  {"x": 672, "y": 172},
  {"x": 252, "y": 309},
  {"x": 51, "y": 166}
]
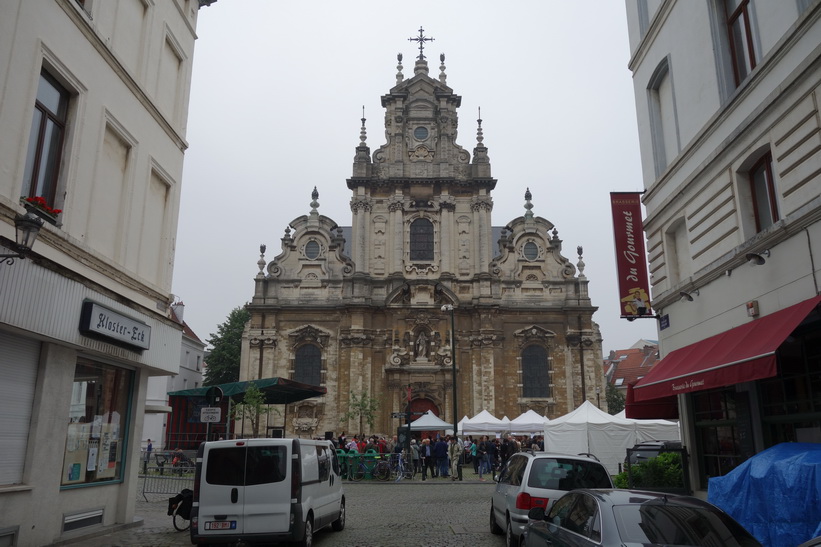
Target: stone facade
[{"x": 365, "y": 308}]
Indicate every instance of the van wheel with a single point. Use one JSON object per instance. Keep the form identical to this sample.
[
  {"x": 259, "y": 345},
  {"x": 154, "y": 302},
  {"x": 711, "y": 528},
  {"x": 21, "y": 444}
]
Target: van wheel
[
  {"x": 308, "y": 538},
  {"x": 339, "y": 524}
]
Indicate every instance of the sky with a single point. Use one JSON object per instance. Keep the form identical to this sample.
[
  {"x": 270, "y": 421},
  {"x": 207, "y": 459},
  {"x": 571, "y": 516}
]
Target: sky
[{"x": 276, "y": 104}]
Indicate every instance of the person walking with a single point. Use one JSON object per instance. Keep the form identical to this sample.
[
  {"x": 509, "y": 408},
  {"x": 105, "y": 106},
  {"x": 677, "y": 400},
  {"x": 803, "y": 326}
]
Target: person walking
[
  {"x": 455, "y": 454},
  {"x": 427, "y": 458}
]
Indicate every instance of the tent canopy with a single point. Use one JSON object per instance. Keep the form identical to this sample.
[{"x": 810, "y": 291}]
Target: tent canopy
[
  {"x": 590, "y": 430},
  {"x": 528, "y": 422},
  {"x": 484, "y": 422},
  {"x": 277, "y": 390},
  {"x": 429, "y": 422}
]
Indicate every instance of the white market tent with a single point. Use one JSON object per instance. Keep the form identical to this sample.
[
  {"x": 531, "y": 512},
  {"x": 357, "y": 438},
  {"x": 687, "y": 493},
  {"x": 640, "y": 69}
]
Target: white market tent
[
  {"x": 461, "y": 422},
  {"x": 528, "y": 422},
  {"x": 590, "y": 430},
  {"x": 485, "y": 423},
  {"x": 429, "y": 422},
  {"x": 654, "y": 430}
]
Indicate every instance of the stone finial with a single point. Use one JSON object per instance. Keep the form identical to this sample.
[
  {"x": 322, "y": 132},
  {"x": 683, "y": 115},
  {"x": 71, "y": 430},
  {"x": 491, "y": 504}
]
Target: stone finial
[
  {"x": 528, "y": 205},
  {"x": 479, "y": 136},
  {"x": 580, "y": 264},
  {"x": 363, "y": 134},
  {"x": 261, "y": 261},
  {"x": 314, "y": 202},
  {"x": 442, "y": 76},
  {"x": 399, "y": 75}
]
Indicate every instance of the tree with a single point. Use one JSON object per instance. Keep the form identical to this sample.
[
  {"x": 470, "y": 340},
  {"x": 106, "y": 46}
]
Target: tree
[
  {"x": 222, "y": 365},
  {"x": 252, "y": 408},
  {"x": 615, "y": 399},
  {"x": 362, "y": 407}
]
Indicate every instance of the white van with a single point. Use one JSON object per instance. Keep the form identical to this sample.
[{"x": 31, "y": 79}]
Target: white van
[{"x": 266, "y": 491}]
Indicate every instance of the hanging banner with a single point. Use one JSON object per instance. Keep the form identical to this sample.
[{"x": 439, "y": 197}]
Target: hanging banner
[{"x": 631, "y": 258}]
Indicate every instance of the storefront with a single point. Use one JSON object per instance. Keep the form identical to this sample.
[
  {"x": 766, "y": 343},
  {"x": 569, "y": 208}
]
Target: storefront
[
  {"x": 740, "y": 391},
  {"x": 73, "y": 372}
]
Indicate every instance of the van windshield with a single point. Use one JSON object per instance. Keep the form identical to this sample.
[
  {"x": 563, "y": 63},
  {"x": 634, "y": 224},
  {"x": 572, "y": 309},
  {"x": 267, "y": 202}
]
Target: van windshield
[{"x": 246, "y": 466}]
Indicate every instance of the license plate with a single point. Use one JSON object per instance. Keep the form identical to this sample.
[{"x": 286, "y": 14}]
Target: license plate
[{"x": 221, "y": 525}]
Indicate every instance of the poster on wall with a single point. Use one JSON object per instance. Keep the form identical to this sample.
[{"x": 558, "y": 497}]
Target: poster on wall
[
  {"x": 91, "y": 462},
  {"x": 76, "y": 453}
]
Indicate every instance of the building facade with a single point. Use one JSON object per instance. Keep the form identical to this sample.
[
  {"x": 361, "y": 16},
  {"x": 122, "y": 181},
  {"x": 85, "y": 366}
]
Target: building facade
[
  {"x": 421, "y": 278},
  {"x": 727, "y": 98},
  {"x": 93, "y": 108},
  {"x": 189, "y": 376}
]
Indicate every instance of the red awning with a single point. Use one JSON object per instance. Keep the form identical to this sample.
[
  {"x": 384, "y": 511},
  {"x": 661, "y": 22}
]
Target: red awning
[
  {"x": 738, "y": 355},
  {"x": 665, "y": 408}
]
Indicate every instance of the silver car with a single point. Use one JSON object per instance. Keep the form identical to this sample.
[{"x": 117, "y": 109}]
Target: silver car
[{"x": 538, "y": 479}]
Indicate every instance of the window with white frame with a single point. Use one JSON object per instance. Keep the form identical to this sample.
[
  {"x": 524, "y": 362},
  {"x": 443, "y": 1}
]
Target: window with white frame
[
  {"x": 762, "y": 190},
  {"x": 662, "y": 114}
]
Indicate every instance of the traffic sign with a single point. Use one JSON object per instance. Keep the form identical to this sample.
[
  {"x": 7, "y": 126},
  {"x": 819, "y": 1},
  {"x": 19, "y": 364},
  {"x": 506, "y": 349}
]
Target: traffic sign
[{"x": 210, "y": 414}]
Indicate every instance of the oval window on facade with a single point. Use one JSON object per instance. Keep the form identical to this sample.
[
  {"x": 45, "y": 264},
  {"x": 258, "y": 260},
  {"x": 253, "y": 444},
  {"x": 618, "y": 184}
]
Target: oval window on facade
[
  {"x": 312, "y": 249},
  {"x": 531, "y": 251},
  {"x": 420, "y": 133}
]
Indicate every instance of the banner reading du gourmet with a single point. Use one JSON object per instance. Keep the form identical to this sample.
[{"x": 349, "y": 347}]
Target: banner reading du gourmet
[{"x": 631, "y": 261}]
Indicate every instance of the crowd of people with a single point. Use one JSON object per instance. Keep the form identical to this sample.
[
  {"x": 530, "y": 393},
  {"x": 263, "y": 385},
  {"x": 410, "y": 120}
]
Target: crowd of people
[{"x": 442, "y": 455}]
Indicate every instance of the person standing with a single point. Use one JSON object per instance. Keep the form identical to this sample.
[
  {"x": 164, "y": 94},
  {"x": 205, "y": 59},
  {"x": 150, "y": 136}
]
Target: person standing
[
  {"x": 455, "y": 453},
  {"x": 426, "y": 456},
  {"x": 414, "y": 455},
  {"x": 440, "y": 454},
  {"x": 148, "y": 449}
]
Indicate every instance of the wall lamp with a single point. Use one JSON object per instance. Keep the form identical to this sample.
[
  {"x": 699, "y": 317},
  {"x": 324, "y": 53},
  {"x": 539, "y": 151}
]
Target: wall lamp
[
  {"x": 757, "y": 258},
  {"x": 688, "y": 296},
  {"x": 26, "y": 228}
]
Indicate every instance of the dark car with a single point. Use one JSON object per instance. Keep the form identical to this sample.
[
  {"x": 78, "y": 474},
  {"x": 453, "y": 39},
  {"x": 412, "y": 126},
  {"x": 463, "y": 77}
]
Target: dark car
[
  {"x": 648, "y": 450},
  {"x": 602, "y": 518}
]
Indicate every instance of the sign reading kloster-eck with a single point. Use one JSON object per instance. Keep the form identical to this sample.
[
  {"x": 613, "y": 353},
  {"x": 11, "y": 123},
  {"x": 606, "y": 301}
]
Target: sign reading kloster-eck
[{"x": 101, "y": 321}]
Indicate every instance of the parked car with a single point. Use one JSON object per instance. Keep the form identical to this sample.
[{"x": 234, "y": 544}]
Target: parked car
[
  {"x": 538, "y": 479},
  {"x": 266, "y": 491},
  {"x": 647, "y": 450},
  {"x": 632, "y": 517}
]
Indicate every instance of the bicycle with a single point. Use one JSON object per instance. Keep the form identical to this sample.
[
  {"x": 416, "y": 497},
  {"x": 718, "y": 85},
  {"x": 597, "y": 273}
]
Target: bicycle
[
  {"x": 359, "y": 466},
  {"x": 401, "y": 470},
  {"x": 179, "y": 509}
]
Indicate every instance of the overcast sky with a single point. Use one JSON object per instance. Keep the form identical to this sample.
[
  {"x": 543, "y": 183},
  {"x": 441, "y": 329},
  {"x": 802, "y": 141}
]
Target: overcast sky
[{"x": 276, "y": 100}]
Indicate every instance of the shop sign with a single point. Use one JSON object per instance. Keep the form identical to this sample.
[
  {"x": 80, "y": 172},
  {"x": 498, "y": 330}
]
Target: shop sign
[{"x": 102, "y": 321}]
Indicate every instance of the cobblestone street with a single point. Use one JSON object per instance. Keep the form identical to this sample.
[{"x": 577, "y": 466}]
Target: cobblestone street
[{"x": 380, "y": 514}]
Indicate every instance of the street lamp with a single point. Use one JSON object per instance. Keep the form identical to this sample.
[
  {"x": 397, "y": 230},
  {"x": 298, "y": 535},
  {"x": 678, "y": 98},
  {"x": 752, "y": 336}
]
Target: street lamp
[
  {"x": 26, "y": 228},
  {"x": 446, "y": 308}
]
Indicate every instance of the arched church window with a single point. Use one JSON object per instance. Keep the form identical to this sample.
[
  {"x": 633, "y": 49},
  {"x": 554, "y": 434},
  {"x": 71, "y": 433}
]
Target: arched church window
[
  {"x": 312, "y": 249},
  {"x": 308, "y": 365},
  {"x": 535, "y": 368},
  {"x": 421, "y": 239}
]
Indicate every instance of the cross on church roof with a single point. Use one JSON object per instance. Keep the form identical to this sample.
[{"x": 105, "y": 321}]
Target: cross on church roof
[{"x": 421, "y": 39}]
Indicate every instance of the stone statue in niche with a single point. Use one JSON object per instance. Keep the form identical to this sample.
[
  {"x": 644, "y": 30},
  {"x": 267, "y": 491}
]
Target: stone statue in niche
[{"x": 422, "y": 346}]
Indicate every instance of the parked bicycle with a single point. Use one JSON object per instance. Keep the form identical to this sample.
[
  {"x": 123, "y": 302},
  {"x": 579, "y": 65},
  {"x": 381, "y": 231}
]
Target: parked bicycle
[
  {"x": 400, "y": 469},
  {"x": 179, "y": 509},
  {"x": 360, "y": 466}
]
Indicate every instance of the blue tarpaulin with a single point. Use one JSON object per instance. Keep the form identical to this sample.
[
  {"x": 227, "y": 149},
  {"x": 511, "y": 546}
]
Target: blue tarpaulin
[{"x": 775, "y": 495}]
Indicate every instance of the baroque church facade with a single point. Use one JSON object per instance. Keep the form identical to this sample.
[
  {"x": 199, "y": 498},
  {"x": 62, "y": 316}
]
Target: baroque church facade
[{"x": 366, "y": 308}]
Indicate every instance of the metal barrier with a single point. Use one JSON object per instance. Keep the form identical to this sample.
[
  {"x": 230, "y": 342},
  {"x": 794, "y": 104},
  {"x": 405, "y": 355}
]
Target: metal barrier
[{"x": 167, "y": 480}]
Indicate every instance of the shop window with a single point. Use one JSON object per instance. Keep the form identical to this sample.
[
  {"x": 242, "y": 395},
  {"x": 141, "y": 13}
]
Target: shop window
[
  {"x": 421, "y": 240},
  {"x": 45, "y": 148},
  {"x": 535, "y": 372},
  {"x": 96, "y": 424},
  {"x": 308, "y": 365}
]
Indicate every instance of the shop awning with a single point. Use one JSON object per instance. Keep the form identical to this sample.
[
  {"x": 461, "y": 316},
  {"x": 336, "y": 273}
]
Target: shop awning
[
  {"x": 276, "y": 390},
  {"x": 741, "y": 354}
]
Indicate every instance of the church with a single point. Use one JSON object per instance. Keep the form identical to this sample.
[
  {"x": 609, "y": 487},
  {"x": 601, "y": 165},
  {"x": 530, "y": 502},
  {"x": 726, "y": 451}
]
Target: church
[{"x": 418, "y": 295}]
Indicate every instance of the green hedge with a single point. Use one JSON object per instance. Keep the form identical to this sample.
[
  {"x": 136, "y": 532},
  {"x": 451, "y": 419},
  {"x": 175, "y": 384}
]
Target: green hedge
[{"x": 663, "y": 471}]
